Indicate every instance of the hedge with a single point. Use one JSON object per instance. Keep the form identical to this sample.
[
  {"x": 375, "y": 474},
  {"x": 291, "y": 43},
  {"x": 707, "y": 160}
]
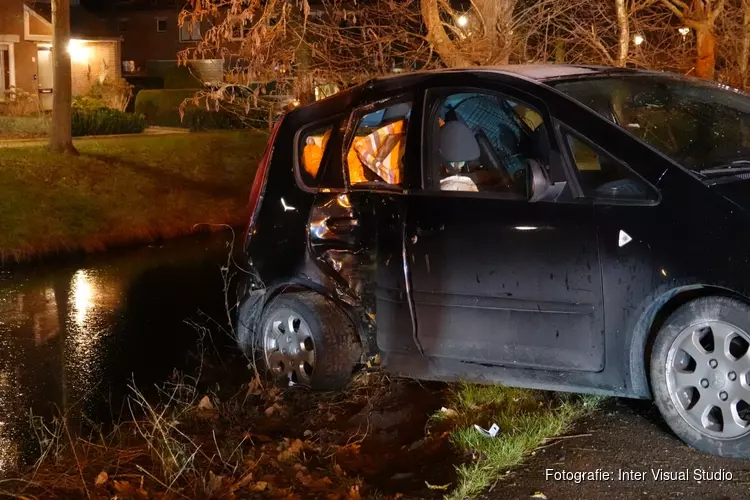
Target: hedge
[
  {"x": 162, "y": 108},
  {"x": 105, "y": 121}
]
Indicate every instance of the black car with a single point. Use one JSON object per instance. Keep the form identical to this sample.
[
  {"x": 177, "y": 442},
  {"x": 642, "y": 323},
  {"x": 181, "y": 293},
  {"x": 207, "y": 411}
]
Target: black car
[{"x": 556, "y": 227}]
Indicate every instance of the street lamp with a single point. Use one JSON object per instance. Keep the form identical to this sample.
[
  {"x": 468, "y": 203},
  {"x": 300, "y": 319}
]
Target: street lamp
[
  {"x": 462, "y": 21},
  {"x": 638, "y": 39}
]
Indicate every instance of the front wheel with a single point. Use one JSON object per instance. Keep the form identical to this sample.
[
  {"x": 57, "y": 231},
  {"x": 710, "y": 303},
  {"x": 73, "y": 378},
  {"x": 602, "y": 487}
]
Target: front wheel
[
  {"x": 306, "y": 338},
  {"x": 700, "y": 375}
]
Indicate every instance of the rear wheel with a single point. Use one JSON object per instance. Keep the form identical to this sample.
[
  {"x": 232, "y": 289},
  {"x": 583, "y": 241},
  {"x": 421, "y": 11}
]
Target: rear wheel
[
  {"x": 307, "y": 339},
  {"x": 700, "y": 375}
]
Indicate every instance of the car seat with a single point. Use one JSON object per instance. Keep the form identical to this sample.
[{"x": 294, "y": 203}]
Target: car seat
[{"x": 457, "y": 146}]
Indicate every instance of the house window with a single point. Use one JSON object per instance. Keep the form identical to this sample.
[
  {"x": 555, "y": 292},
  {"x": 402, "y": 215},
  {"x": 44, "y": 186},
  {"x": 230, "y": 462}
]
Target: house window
[
  {"x": 190, "y": 32},
  {"x": 240, "y": 30},
  {"x": 122, "y": 25},
  {"x": 128, "y": 66},
  {"x": 161, "y": 24}
]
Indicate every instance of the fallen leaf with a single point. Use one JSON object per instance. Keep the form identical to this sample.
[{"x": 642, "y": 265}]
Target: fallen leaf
[
  {"x": 351, "y": 449},
  {"x": 274, "y": 408},
  {"x": 448, "y": 412},
  {"x": 255, "y": 387},
  {"x": 205, "y": 404},
  {"x": 124, "y": 487},
  {"x": 215, "y": 483},
  {"x": 101, "y": 479},
  {"x": 437, "y": 486},
  {"x": 259, "y": 486},
  {"x": 539, "y": 495},
  {"x": 294, "y": 449},
  {"x": 309, "y": 481}
]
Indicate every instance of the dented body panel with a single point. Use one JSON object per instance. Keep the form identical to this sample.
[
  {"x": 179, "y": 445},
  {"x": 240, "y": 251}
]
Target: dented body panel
[{"x": 544, "y": 295}]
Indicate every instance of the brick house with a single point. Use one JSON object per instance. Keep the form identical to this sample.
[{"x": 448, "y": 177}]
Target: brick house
[
  {"x": 26, "y": 50},
  {"x": 152, "y": 38}
]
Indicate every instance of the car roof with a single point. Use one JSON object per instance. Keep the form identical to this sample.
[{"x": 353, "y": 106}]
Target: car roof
[
  {"x": 534, "y": 73},
  {"x": 538, "y": 72}
]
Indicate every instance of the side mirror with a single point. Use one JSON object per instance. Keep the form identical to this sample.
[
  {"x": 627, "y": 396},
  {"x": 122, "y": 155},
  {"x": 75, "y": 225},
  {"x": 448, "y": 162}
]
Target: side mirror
[{"x": 538, "y": 181}]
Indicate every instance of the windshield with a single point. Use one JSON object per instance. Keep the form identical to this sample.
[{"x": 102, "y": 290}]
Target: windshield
[{"x": 698, "y": 124}]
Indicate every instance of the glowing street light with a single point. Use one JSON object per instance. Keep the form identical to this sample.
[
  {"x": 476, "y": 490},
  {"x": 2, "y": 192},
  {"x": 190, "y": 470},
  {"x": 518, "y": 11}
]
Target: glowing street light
[
  {"x": 638, "y": 39},
  {"x": 462, "y": 20},
  {"x": 683, "y": 31}
]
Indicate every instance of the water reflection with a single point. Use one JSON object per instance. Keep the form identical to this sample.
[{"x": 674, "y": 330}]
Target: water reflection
[
  {"x": 82, "y": 292},
  {"x": 72, "y": 334}
]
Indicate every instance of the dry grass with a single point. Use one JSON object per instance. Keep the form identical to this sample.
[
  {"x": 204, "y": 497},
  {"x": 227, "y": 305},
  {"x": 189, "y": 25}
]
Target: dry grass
[
  {"x": 193, "y": 445},
  {"x": 123, "y": 190}
]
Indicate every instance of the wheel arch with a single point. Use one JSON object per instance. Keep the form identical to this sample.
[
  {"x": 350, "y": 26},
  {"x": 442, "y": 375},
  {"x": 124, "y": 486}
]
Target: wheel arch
[{"x": 650, "y": 321}]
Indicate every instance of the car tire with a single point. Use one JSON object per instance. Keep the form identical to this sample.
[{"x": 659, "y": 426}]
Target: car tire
[
  {"x": 700, "y": 362},
  {"x": 306, "y": 338}
]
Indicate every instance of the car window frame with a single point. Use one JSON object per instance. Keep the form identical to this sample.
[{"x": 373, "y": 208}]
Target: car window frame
[
  {"x": 326, "y": 161},
  {"x": 359, "y": 111},
  {"x": 564, "y": 130},
  {"x": 434, "y": 94}
]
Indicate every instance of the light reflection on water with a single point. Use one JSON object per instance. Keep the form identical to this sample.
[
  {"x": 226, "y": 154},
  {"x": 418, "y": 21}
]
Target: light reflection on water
[{"x": 71, "y": 335}]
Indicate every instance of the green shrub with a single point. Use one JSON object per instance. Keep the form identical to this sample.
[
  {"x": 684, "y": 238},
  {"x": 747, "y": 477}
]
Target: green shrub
[
  {"x": 106, "y": 121},
  {"x": 180, "y": 77},
  {"x": 162, "y": 108},
  {"x": 88, "y": 103}
]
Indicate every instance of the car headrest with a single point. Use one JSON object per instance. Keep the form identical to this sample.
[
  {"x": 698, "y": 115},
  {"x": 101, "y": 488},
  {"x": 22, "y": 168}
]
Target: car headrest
[
  {"x": 457, "y": 143},
  {"x": 399, "y": 111}
]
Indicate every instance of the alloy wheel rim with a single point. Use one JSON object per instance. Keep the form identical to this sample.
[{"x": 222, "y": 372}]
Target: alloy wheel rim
[
  {"x": 288, "y": 346},
  {"x": 708, "y": 378}
]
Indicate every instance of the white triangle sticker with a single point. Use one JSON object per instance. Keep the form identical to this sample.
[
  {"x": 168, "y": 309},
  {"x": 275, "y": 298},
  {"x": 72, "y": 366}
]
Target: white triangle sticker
[{"x": 623, "y": 239}]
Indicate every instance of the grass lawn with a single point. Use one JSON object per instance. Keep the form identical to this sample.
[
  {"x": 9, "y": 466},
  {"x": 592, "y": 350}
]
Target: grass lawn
[
  {"x": 123, "y": 190},
  {"x": 527, "y": 419}
]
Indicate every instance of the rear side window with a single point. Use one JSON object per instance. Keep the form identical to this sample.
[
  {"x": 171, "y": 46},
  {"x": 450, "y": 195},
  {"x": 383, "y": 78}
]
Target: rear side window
[
  {"x": 603, "y": 177},
  {"x": 313, "y": 144},
  {"x": 376, "y": 154}
]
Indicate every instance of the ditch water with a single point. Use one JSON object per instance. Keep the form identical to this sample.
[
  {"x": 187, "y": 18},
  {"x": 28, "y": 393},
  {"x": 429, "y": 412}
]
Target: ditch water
[{"x": 75, "y": 332}]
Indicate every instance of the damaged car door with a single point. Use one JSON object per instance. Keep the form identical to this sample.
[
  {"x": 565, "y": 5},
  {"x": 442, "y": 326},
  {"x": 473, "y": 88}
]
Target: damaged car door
[{"x": 503, "y": 258}]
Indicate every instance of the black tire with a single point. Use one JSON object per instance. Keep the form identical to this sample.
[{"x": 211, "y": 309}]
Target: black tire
[
  {"x": 700, "y": 310},
  {"x": 337, "y": 349}
]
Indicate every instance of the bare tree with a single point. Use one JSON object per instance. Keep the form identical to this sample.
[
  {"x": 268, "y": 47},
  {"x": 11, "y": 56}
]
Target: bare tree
[
  {"x": 623, "y": 32},
  {"x": 61, "y": 139},
  {"x": 700, "y": 15},
  {"x": 745, "y": 53}
]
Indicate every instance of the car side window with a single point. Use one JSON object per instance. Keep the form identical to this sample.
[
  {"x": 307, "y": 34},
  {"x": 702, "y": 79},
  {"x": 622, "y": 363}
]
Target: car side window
[
  {"x": 313, "y": 145},
  {"x": 603, "y": 177},
  {"x": 376, "y": 153},
  {"x": 485, "y": 142}
]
